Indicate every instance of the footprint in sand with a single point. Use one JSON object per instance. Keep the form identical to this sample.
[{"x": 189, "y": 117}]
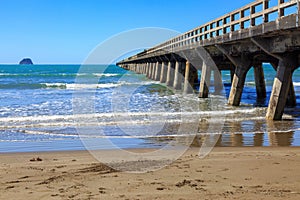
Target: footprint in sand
[
  {"x": 102, "y": 190},
  {"x": 38, "y": 159}
]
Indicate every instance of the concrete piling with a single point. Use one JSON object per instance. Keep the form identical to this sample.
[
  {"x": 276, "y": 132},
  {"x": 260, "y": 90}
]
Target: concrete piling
[
  {"x": 163, "y": 74},
  {"x": 260, "y": 81},
  {"x": 218, "y": 83},
  {"x": 280, "y": 90},
  {"x": 237, "y": 86},
  {"x": 170, "y": 74},
  {"x": 231, "y": 48},
  {"x": 188, "y": 79},
  {"x": 157, "y": 71},
  {"x": 205, "y": 81},
  {"x": 177, "y": 77}
]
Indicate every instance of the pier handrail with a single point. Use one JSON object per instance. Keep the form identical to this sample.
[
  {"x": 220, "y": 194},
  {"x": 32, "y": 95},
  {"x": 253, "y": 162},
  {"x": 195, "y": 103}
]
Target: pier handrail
[{"x": 233, "y": 21}]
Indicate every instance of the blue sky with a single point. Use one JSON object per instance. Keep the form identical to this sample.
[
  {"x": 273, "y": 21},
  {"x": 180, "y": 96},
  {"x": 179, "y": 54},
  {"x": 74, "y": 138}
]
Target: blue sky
[{"x": 66, "y": 31}]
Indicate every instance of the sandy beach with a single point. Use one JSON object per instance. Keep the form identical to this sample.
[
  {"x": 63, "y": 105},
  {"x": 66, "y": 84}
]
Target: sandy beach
[{"x": 227, "y": 173}]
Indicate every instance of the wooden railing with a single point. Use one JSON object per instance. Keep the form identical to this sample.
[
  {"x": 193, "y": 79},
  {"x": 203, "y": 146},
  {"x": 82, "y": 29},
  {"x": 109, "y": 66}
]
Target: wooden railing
[{"x": 251, "y": 15}]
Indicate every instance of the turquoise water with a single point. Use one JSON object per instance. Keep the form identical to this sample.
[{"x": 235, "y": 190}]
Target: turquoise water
[{"x": 55, "y": 107}]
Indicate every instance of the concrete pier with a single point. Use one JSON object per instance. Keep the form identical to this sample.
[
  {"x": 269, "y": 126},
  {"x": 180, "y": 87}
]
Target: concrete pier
[{"x": 226, "y": 43}]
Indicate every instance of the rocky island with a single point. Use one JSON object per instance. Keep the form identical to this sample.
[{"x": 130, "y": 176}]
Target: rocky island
[{"x": 26, "y": 61}]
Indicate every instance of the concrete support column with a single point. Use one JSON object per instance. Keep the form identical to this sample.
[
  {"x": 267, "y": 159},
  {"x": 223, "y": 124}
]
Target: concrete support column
[
  {"x": 153, "y": 71},
  {"x": 231, "y": 75},
  {"x": 150, "y": 70},
  {"x": 218, "y": 83},
  {"x": 136, "y": 67},
  {"x": 157, "y": 71},
  {"x": 260, "y": 82},
  {"x": 147, "y": 69},
  {"x": 139, "y": 65},
  {"x": 280, "y": 90},
  {"x": 177, "y": 77},
  {"x": 237, "y": 86},
  {"x": 170, "y": 74},
  {"x": 188, "y": 87},
  {"x": 163, "y": 74},
  {"x": 205, "y": 81},
  {"x": 142, "y": 68},
  {"x": 291, "y": 99}
]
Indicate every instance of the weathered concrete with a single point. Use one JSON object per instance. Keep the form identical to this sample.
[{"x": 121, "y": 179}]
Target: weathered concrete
[
  {"x": 218, "y": 83},
  {"x": 281, "y": 88},
  {"x": 237, "y": 86},
  {"x": 148, "y": 69},
  {"x": 205, "y": 81},
  {"x": 170, "y": 74},
  {"x": 231, "y": 75},
  {"x": 157, "y": 71},
  {"x": 260, "y": 82},
  {"x": 242, "y": 65},
  {"x": 241, "y": 46},
  {"x": 177, "y": 77},
  {"x": 153, "y": 71},
  {"x": 188, "y": 88},
  {"x": 291, "y": 99},
  {"x": 163, "y": 75}
]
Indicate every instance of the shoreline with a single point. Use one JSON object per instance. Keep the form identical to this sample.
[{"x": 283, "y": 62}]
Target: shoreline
[
  {"x": 226, "y": 173},
  {"x": 193, "y": 148}
]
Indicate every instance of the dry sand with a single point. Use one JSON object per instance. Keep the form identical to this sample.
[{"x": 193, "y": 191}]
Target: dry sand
[{"x": 227, "y": 173}]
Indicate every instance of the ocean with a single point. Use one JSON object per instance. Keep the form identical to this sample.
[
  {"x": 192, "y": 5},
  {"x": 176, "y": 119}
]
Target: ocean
[{"x": 67, "y": 107}]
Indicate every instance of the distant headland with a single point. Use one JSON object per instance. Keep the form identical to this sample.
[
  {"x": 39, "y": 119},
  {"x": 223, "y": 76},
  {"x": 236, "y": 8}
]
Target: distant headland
[{"x": 26, "y": 61}]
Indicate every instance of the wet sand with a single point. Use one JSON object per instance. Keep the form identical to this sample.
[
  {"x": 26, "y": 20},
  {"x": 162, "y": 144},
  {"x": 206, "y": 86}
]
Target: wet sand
[{"x": 227, "y": 173}]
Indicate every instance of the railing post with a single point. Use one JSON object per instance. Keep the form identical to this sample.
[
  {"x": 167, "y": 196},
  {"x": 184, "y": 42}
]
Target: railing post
[
  {"x": 265, "y": 7},
  {"x": 232, "y": 20},
  {"x": 280, "y": 10},
  {"x": 242, "y": 23},
  {"x": 252, "y": 20},
  {"x": 224, "y": 24},
  {"x": 298, "y": 12}
]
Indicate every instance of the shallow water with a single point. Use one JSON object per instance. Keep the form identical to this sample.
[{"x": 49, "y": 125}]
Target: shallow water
[{"x": 56, "y": 107}]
